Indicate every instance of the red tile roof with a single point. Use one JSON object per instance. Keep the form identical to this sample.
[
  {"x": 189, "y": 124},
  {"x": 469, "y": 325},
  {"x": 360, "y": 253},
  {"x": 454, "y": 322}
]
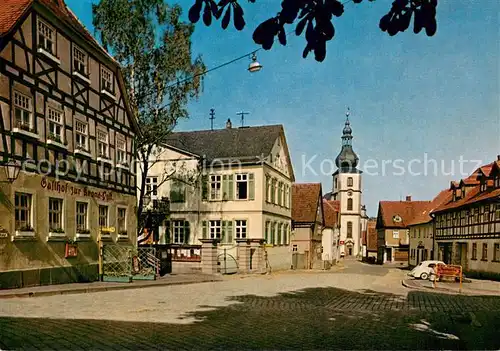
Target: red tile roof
[
  {"x": 10, "y": 12},
  {"x": 388, "y": 210},
  {"x": 305, "y": 202},
  {"x": 330, "y": 212},
  {"x": 424, "y": 215},
  {"x": 371, "y": 244}
]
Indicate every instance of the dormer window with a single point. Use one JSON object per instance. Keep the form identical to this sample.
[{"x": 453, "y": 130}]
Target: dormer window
[
  {"x": 46, "y": 37},
  {"x": 397, "y": 219},
  {"x": 497, "y": 181},
  {"x": 483, "y": 185}
]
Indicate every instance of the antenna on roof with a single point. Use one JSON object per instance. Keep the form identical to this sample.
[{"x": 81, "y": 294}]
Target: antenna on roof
[
  {"x": 242, "y": 114},
  {"x": 212, "y": 117}
]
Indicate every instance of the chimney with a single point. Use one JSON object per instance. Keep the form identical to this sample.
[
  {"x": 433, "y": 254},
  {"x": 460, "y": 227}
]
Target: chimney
[
  {"x": 408, "y": 198},
  {"x": 229, "y": 125}
]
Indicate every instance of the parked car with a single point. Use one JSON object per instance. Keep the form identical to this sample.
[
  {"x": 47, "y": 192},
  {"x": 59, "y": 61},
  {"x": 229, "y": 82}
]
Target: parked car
[{"x": 424, "y": 269}]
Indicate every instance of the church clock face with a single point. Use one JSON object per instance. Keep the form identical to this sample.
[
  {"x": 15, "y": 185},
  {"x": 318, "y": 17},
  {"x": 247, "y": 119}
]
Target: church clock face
[{"x": 349, "y": 193}]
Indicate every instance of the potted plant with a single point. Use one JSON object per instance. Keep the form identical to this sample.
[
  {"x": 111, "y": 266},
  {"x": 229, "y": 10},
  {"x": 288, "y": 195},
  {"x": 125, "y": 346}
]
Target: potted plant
[
  {"x": 71, "y": 249},
  {"x": 25, "y": 230},
  {"x": 82, "y": 232},
  {"x": 123, "y": 233}
]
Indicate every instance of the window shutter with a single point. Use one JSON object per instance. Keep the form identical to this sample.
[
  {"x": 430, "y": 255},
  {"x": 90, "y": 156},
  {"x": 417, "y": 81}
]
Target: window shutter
[
  {"x": 230, "y": 187},
  {"x": 167, "y": 232},
  {"x": 187, "y": 232},
  {"x": 229, "y": 232},
  {"x": 225, "y": 195},
  {"x": 266, "y": 233},
  {"x": 223, "y": 233},
  {"x": 251, "y": 187},
  {"x": 204, "y": 187},
  {"x": 204, "y": 230}
]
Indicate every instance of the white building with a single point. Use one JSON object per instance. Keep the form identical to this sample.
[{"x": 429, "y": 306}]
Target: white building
[
  {"x": 347, "y": 189},
  {"x": 227, "y": 184}
]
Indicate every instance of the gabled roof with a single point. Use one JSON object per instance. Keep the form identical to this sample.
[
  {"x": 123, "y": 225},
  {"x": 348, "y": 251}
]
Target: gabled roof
[
  {"x": 389, "y": 211},
  {"x": 12, "y": 11},
  {"x": 331, "y": 211},
  {"x": 424, "y": 216},
  {"x": 306, "y": 197},
  {"x": 248, "y": 143}
]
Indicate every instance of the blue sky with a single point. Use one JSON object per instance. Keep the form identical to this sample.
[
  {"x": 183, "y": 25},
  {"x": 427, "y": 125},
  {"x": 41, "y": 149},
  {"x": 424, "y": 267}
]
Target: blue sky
[{"x": 412, "y": 98}]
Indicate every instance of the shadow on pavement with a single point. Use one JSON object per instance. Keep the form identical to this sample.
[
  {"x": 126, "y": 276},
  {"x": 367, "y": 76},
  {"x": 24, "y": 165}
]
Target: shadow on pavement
[{"x": 316, "y": 318}]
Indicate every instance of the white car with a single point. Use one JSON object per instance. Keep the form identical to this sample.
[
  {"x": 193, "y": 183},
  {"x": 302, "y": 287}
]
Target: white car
[{"x": 424, "y": 269}]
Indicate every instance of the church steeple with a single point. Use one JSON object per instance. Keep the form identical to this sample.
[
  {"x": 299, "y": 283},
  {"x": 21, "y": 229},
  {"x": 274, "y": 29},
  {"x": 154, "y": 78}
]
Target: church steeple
[{"x": 347, "y": 159}]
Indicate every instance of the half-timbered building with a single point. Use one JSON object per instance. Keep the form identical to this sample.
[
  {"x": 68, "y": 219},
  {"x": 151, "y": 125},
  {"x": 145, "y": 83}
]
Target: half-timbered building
[
  {"x": 468, "y": 225},
  {"x": 65, "y": 117}
]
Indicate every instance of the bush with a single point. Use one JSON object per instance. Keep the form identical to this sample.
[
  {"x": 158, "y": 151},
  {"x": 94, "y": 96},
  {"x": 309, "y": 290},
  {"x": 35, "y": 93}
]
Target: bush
[{"x": 483, "y": 275}]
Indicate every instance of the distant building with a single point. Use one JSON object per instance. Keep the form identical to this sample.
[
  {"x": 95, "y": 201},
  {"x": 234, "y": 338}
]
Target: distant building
[
  {"x": 371, "y": 240},
  {"x": 308, "y": 223},
  {"x": 347, "y": 189},
  {"x": 392, "y": 226},
  {"x": 330, "y": 234},
  {"x": 468, "y": 223}
]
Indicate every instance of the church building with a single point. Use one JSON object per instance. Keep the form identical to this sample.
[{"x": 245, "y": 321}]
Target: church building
[{"x": 347, "y": 190}]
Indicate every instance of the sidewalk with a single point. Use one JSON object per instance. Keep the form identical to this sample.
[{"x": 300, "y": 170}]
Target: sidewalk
[
  {"x": 474, "y": 287},
  {"x": 80, "y": 288}
]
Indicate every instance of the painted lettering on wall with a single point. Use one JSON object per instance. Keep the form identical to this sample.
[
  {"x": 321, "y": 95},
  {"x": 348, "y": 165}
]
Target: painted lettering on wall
[{"x": 65, "y": 188}]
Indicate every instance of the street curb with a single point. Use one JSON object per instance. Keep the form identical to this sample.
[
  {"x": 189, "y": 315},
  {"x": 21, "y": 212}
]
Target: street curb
[{"x": 100, "y": 289}]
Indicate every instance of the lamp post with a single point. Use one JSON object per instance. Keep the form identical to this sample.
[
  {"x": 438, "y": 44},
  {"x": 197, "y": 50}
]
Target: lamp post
[{"x": 12, "y": 169}]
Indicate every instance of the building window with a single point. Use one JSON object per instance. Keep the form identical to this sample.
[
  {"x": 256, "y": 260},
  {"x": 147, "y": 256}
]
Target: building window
[
  {"x": 484, "y": 257},
  {"x": 242, "y": 186},
  {"x": 474, "y": 251},
  {"x": 81, "y": 135},
  {"x": 215, "y": 229},
  {"x": 55, "y": 125},
  {"x": 215, "y": 187},
  {"x": 79, "y": 61},
  {"x": 335, "y": 183},
  {"x": 151, "y": 186},
  {"x": 395, "y": 234},
  {"x": 22, "y": 206},
  {"x": 274, "y": 227},
  {"x": 81, "y": 216},
  {"x": 496, "y": 252},
  {"x": 106, "y": 80},
  {"x": 177, "y": 191},
  {"x": 55, "y": 215},
  {"x": 287, "y": 196},
  {"x": 102, "y": 143},
  {"x": 121, "y": 221},
  {"x": 22, "y": 111},
  {"x": 349, "y": 181},
  {"x": 121, "y": 152},
  {"x": 268, "y": 188},
  {"x": 273, "y": 191},
  {"x": 241, "y": 229},
  {"x": 103, "y": 216},
  {"x": 46, "y": 37},
  {"x": 497, "y": 212},
  {"x": 349, "y": 229},
  {"x": 349, "y": 204},
  {"x": 180, "y": 231}
]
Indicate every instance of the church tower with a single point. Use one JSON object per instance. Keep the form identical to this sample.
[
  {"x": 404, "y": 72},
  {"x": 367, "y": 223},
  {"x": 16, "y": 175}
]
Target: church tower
[{"x": 347, "y": 190}]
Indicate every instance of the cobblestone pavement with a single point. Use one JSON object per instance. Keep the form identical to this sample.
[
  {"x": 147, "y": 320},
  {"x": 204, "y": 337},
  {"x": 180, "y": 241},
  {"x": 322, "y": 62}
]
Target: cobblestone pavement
[{"x": 300, "y": 311}]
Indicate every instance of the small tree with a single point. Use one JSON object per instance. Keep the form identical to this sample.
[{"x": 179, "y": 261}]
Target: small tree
[
  {"x": 153, "y": 46},
  {"x": 316, "y": 17}
]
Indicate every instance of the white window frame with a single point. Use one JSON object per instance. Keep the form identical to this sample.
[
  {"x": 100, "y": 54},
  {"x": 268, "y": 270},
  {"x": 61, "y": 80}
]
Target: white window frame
[
  {"x": 121, "y": 151},
  {"x": 102, "y": 143},
  {"x": 242, "y": 178},
  {"x": 80, "y": 60},
  {"x": 215, "y": 229},
  {"x": 178, "y": 231},
  {"x": 106, "y": 218},
  {"x": 46, "y": 34},
  {"x": 58, "y": 212},
  {"x": 29, "y": 215},
  {"x": 55, "y": 119},
  {"x": 80, "y": 133},
  {"x": 241, "y": 228},
  {"x": 24, "y": 104},
  {"x": 152, "y": 187},
  {"x": 215, "y": 187},
  {"x": 106, "y": 80},
  {"x": 122, "y": 231},
  {"x": 395, "y": 234},
  {"x": 85, "y": 219}
]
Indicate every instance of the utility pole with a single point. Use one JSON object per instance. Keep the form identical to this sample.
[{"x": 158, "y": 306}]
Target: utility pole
[
  {"x": 242, "y": 114},
  {"x": 212, "y": 117}
]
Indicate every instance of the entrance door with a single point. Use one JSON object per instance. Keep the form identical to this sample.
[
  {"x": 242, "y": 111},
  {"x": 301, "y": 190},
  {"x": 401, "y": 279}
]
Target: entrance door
[
  {"x": 389, "y": 254},
  {"x": 349, "y": 251}
]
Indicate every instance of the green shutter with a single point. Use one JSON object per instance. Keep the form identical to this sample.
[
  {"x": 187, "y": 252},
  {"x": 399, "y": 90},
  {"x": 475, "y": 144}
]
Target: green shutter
[
  {"x": 251, "y": 187},
  {"x": 204, "y": 230},
  {"x": 273, "y": 232},
  {"x": 186, "y": 232},
  {"x": 167, "y": 232},
  {"x": 273, "y": 190},
  {"x": 225, "y": 195},
  {"x": 230, "y": 185},
  {"x": 204, "y": 187},
  {"x": 267, "y": 188},
  {"x": 230, "y": 232},
  {"x": 223, "y": 233},
  {"x": 280, "y": 229},
  {"x": 266, "y": 233}
]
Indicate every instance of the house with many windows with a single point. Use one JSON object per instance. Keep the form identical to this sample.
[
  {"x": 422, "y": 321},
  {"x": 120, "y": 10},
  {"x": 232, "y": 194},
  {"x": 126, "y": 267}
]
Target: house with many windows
[
  {"x": 64, "y": 115},
  {"x": 231, "y": 185},
  {"x": 468, "y": 224}
]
